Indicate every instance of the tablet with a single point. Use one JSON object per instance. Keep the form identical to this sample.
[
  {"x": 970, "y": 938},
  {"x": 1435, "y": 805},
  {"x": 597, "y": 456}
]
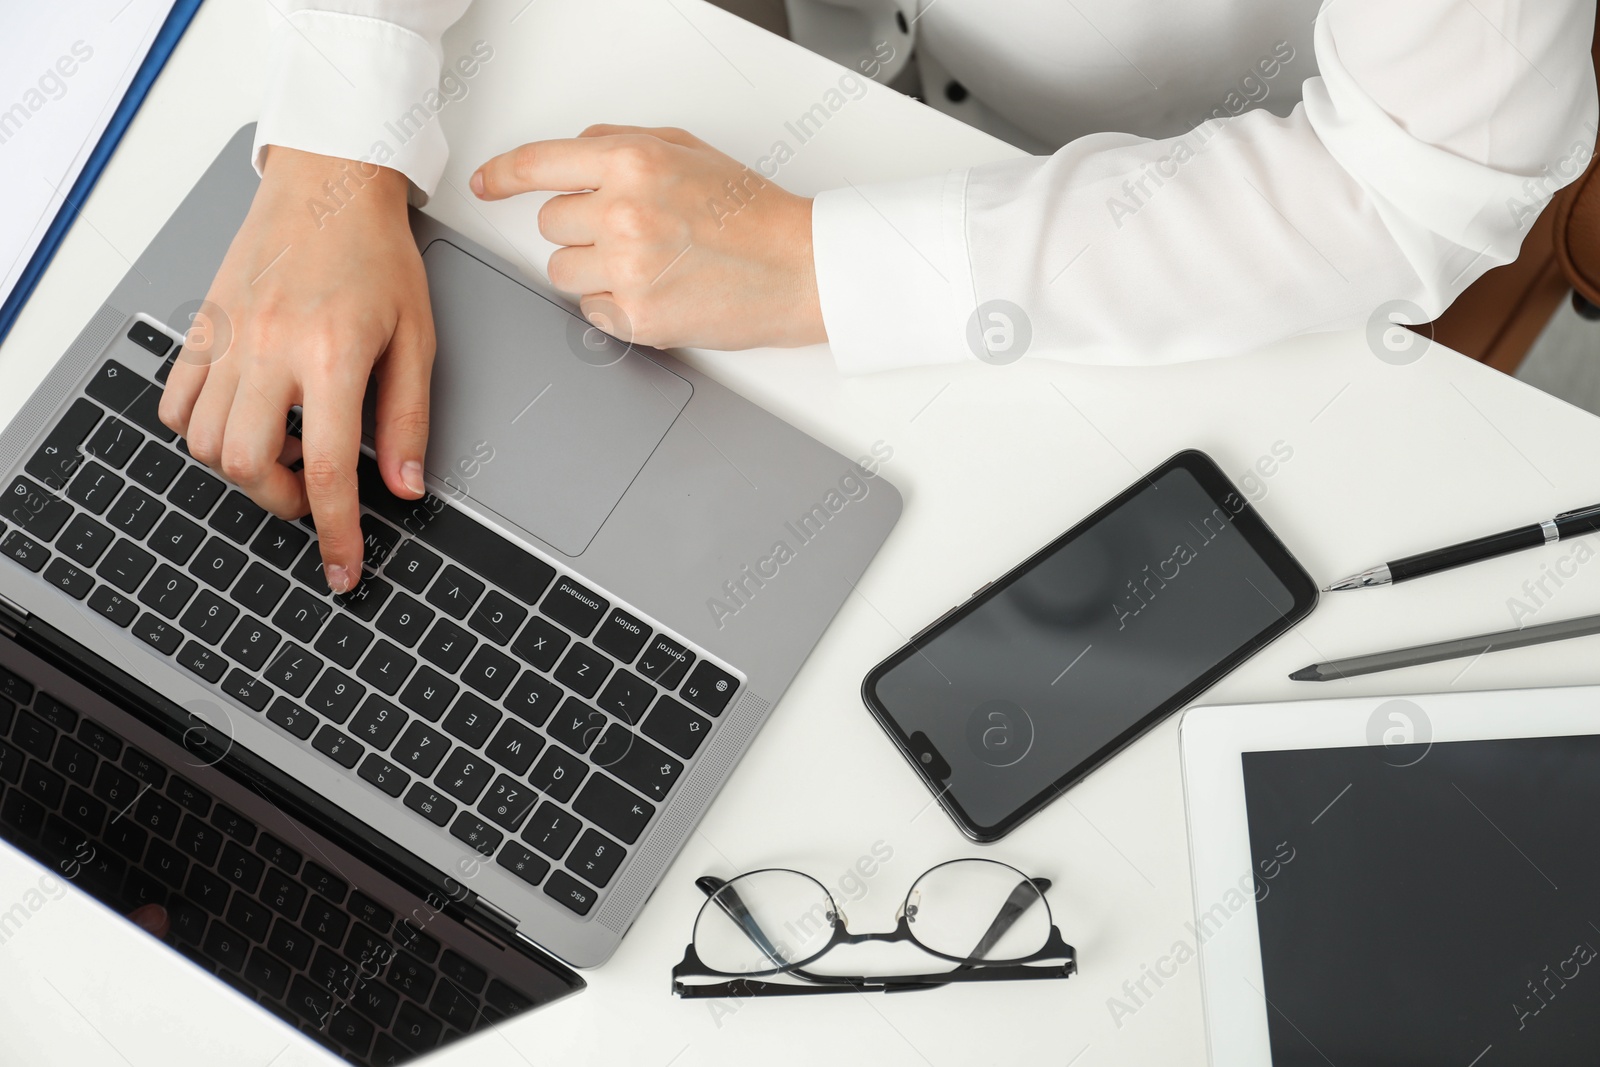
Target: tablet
[
  {"x": 1046, "y": 672},
  {"x": 1408, "y": 880}
]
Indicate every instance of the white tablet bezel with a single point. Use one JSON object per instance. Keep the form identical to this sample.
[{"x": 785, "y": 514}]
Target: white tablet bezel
[{"x": 1226, "y": 888}]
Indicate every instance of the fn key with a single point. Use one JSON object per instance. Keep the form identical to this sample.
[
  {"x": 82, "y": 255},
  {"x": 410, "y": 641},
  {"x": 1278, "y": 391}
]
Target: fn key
[{"x": 709, "y": 688}]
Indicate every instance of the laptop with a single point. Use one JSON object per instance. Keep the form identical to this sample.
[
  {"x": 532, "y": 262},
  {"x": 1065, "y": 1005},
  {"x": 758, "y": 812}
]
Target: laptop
[{"x": 464, "y": 778}]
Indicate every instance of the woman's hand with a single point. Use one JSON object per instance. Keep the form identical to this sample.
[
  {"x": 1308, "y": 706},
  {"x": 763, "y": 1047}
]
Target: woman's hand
[
  {"x": 668, "y": 241},
  {"x": 322, "y": 287}
]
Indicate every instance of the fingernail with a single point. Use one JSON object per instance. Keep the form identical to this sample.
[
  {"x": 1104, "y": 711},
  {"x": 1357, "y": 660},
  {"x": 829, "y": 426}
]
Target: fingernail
[
  {"x": 411, "y": 474},
  {"x": 338, "y": 577},
  {"x": 477, "y": 182},
  {"x": 601, "y": 320}
]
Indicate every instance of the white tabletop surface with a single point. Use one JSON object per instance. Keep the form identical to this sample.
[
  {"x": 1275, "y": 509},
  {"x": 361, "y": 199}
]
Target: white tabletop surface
[{"x": 993, "y": 462}]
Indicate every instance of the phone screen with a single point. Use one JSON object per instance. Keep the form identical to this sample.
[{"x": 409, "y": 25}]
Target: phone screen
[{"x": 1067, "y": 658}]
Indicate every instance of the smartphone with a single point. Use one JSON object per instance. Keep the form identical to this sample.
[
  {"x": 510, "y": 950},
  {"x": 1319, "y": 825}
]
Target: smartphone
[{"x": 1013, "y": 696}]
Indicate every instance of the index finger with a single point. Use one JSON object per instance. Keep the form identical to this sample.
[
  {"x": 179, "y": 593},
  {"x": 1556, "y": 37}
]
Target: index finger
[
  {"x": 331, "y": 439},
  {"x": 571, "y": 165}
]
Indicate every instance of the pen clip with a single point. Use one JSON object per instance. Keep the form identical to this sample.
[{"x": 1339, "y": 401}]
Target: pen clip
[{"x": 1592, "y": 509}]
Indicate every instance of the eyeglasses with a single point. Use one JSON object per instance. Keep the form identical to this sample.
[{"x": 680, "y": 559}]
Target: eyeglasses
[{"x": 987, "y": 918}]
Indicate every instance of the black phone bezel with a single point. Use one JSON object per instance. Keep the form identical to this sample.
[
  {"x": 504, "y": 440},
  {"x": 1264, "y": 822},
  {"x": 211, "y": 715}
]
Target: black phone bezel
[{"x": 1258, "y": 535}]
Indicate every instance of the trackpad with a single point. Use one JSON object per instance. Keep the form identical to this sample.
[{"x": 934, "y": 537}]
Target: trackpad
[{"x": 529, "y": 422}]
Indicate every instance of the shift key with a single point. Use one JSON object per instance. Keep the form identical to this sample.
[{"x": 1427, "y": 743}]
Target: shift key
[{"x": 130, "y": 395}]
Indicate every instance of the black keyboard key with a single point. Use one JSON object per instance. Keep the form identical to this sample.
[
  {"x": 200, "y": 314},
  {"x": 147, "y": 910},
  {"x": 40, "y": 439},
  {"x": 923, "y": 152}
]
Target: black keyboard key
[
  {"x": 208, "y": 617},
  {"x": 267, "y": 973},
  {"x": 134, "y": 513},
  {"x": 574, "y": 606},
  {"x": 386, "y": 667},
  {"x": 75, "y": 761},
  {"x": 43, "y": 784},
  {"x": 197, "y": 492},
  {"x": 114, "y": 442},
  {"x": 260, "y": 589},
  {"x": 188, "y": 920},
  {"x": 115, "y": 787},
  {"x": 217, "y": 563},
  {"x": 471, "y": 720},
  {"x": 334, "y": 973},
  {"x": 278, "y": 854},
  {"x": 290, "y": 942},
  {"x": 250, "y": 642},
  {"x": 570, "y": 892},
  {"x": 637, "y": 762},
  {"x": 432, "y": 806},
  {"x": 176, "y": 538},
  {"x": 551, "y": 830},
  {"x": 621, "y": 635},
  {"x": 100, "y": 741},
  {"x": 577, "y": 725},
  {"x": 409, "y": 936},
  {"x": 149, "y": 338},
  {"x": 25, "y": 550},
  {"x": 596, "y": 858},
  {"x": 325, "y": 882},
  {"x": 351, "y": 1030},
  {"x": 665, "y": 662},
  {"x": 94, "y": 488},
  {"x": 84, "y": 811},
  {"x": 302, "y": 615},
  {"x": 7, "y": 710},
  {"x": 167, "y": 591},
  {"x": 69, "y": 579},
  {"x": 292, "y": 718},
  {"x": 415, "y": 1028},
  {"x": 501, "y": 998},
  {"x": 428, "y": 693},
  {"x": 279, "y": 543},
  {"x": 583, "y": 669},
  {"x": 378, "y": 539},
  {"x": 113, "y": 605},
  {"x": 613, "y": 808},
  {"x": 344, "y": 640},
  {"x": 558, "y": 772},
  {"x": 675, "y": 726},
  {"x": 131, "y": 396},
  {"x": 385, "y": 775},
  {"x": 237, "y": 517},
  {"x": 489, "y": 671},
  {"x": 125, "y": 565},
  {"x": 522, "y": 863},
  {"x": 709, "y": 688},
  {"x": 507, "y": 802},
  {"x": 251, "y": 692},
  {"x": 58, "y": 456},
  {"x": 476, "y": 833},
  {"x": 365, "y": 599},
  {"x": 334, "y": 696},
  {"x": 34, "y": 736},
  {"x": 497, "y": 617},
  {"x": 308, "y": 570},
  {"x": 540, "y": 643},
  {"x": 157, "y": 814},
  {"x": 412, "y": 566},
  {"x": 241, "y": 868},
  {"x": 159, "y": 635},
  {"x": 337, "y": 746},
  {"x": 455, "y": 592},
  {"x": 198, "y": 841},
  {"x": 250, "y": 916},
  {"x": 233, "y": 824},
  {"x": 85, "y": 540},
  {"x": 191, "y": 796},
  {"x": 455, "y": 1007},
  {"x": 154, "y": 467},
  {"x": 144, "y": 768},
  {"x": 420, "y": 748},
  {"x": 292, "y": 669},
  {"x": 282, "y": 894},
  {"x": 140, "y": 889},
  {"x": 377, "y": 722},
  {"x": 626, "y": 696},
  {"x": 369, "y": 911},
  {"x": 35, "y": 510},
  {"x": 61, "y": 716},
  {"x": 447, "y": 645},
  {"x": 463, "y": 972},
  {"x": 376, "y": 1002},
  {"x": 227, "y": 947},
  {"x": 405, "y": 619},
  {"x": 310, "y": 1003},
  {"x": 514, "y": 747},
  {"x": 464, "y": 775}
]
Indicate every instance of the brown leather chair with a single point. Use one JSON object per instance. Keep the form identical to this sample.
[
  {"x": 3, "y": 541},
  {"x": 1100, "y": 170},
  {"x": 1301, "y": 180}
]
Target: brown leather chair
[{"x": 1500, "y": 315}]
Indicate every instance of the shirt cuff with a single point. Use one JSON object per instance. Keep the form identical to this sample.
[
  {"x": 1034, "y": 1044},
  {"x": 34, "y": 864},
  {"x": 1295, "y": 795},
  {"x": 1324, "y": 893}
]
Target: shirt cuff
[
  {"x": 356, "y": 88},
  {"x": 893, "y": 274}
]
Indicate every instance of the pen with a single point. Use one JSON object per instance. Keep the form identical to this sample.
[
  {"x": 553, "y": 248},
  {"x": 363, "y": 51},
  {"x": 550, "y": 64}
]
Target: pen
[
  {"x": 1461, "y": 646},
  {"x": 1566, "y": 524}
]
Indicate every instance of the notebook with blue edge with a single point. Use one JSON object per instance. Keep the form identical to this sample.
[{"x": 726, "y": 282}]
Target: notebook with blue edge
[{"x": 166, "y": 39}]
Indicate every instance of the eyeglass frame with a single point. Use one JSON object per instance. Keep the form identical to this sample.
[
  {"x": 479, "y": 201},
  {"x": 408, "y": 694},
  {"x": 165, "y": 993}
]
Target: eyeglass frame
[{"x": 745, "y": 984}]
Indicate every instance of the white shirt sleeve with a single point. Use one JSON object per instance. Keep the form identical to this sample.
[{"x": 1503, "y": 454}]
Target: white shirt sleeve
[
  {"x": 360, "y": 79},
  {"x": 1433, "y": 136}
]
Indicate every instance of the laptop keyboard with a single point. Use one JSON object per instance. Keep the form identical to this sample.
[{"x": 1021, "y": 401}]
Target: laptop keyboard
[
  {"x": 489, "y": 693},
  {"x": 243, "y": 904}
]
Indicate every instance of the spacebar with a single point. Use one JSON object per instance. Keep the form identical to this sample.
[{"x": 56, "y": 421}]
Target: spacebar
[{"x": 461, "y": 539}]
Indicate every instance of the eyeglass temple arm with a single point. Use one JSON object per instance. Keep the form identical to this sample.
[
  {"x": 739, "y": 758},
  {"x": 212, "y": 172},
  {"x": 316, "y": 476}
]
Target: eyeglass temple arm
[
  {"x": 734, "y": 906},
  {"x": 1020, "y": 900}
]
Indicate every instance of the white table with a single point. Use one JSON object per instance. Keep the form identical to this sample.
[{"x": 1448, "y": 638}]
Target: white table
[{"x": 993, "y": 462}]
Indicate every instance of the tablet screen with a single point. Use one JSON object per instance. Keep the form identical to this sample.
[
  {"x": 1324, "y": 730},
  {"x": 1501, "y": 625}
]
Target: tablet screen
[
  {"x": 1073, "y": 653},
  {"x": 1441, "y": 904}
]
